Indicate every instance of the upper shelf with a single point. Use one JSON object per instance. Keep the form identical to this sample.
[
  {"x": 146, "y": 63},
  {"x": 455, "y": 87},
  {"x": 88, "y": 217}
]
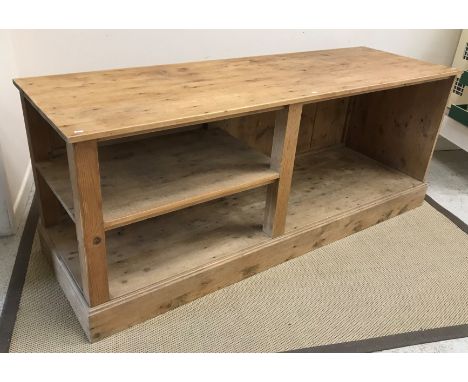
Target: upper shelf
[
  {"x": 107, "y": 104},
  {"x": 151, "y": 177}
]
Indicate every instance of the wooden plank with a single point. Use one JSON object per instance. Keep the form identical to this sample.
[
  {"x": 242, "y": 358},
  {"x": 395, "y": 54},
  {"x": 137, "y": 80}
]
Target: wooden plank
[
  {"x": 325, "y": 185},
  {"x": 329, "y": 124},
  {"x": 40, "y": 144},
  {"x": 307, "y": 127},
  {"x": 255, "y": 130},
  {"x": 190, "y": 168},
  {"x": 399, "y": 127},
  {"x": 283, "y": 154},
  {"x": 139, "y": 305},
  {"x": 322, "y": 126},
  {"x": 67, "y": 282},
  {"x": 85, "y": 180},
  {"x": 105, "y": 104}
]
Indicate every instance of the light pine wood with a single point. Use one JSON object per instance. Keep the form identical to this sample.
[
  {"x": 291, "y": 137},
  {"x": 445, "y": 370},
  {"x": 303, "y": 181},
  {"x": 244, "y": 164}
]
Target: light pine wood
[
  {"x": 106, "y": 104},
  {"x": 71, "y": 284},
  {"x": 307, "y": 127},
  {"x": 399, "y": 127},
  {"x": 120, "y": 313},
  {"x": 40, "y": 145},
  {"x": 326, "y": 185},
  {"x": 322, "y": 126},
  {"x": 255, "y": 130},
  {"x": 329, "y": 124},
  {"x": 124, "y": 164},
  {"x": 139, "y": 305},
  {"x": 143, "y": 179},
  {"x": 85, "y": 180},
  {"x": 283, "y": 154}
]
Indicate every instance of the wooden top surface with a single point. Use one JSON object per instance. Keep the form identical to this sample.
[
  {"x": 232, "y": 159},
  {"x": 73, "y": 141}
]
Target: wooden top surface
[{"x": 113, "y": 103}]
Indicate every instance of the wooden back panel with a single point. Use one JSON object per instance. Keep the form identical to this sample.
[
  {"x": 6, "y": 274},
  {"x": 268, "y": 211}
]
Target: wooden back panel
[{"x": 322, "y": 125}]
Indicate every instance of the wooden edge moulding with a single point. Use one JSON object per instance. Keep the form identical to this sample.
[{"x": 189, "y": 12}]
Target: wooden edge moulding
[{"x": 158, "y": 185}]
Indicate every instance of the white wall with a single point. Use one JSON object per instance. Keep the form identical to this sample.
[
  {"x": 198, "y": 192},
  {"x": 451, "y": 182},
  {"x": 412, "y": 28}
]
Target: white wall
[
  {"x": 15, "y": 174},
  {"x": 47, "y": 52},
  {"x": 29, "y": 53}
]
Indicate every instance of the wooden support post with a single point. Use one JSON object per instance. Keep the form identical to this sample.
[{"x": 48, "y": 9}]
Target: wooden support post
[
  {"x": 283, "y": 154},
  {"x": 86, "y": 185},
  {"x": 40, "y": 146}
]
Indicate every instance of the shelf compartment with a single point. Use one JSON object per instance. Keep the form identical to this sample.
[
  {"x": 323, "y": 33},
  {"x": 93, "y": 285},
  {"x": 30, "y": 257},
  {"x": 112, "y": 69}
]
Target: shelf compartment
[
  {"x": 146, "y": 178},
  {"x": 327, "y": 186}
]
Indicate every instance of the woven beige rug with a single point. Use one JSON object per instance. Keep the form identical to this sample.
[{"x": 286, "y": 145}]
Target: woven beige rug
[{"x": 406, "y": 274}]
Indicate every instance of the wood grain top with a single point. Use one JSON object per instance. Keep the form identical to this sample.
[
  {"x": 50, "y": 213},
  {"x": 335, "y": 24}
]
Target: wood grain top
[{"x": 121, "y": 102}]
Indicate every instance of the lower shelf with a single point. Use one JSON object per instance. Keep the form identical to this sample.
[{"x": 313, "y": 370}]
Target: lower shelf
[{"x": 324, "y": 185}]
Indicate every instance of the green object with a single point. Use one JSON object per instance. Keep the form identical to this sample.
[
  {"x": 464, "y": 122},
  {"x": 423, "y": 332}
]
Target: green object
[
  {"x": 464, "y": 78},
  {"x": 459, "y": 113}
]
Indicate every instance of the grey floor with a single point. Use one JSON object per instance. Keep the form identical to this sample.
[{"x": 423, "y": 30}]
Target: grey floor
[
  {"x": 448, "y": 185},
  {"x": 8, "y": 249},
  {"x": 448, "y": 181}
]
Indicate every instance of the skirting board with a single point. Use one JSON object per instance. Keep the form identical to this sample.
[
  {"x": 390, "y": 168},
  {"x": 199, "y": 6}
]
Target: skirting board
[
  {"x": 6, "y": 210},
  {"x": 21, "y": 202},
  {"x": 14, "y": 216},
  {"x": 123, "y": 312}
]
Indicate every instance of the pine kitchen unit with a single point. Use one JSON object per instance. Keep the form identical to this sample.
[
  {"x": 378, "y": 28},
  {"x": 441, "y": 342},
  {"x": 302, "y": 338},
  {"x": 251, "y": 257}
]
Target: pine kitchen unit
[{"x": 160, "y": 184}]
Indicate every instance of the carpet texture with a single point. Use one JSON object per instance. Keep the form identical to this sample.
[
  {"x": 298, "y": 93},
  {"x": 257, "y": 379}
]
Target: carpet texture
[{"x": 406, "y": 274}]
